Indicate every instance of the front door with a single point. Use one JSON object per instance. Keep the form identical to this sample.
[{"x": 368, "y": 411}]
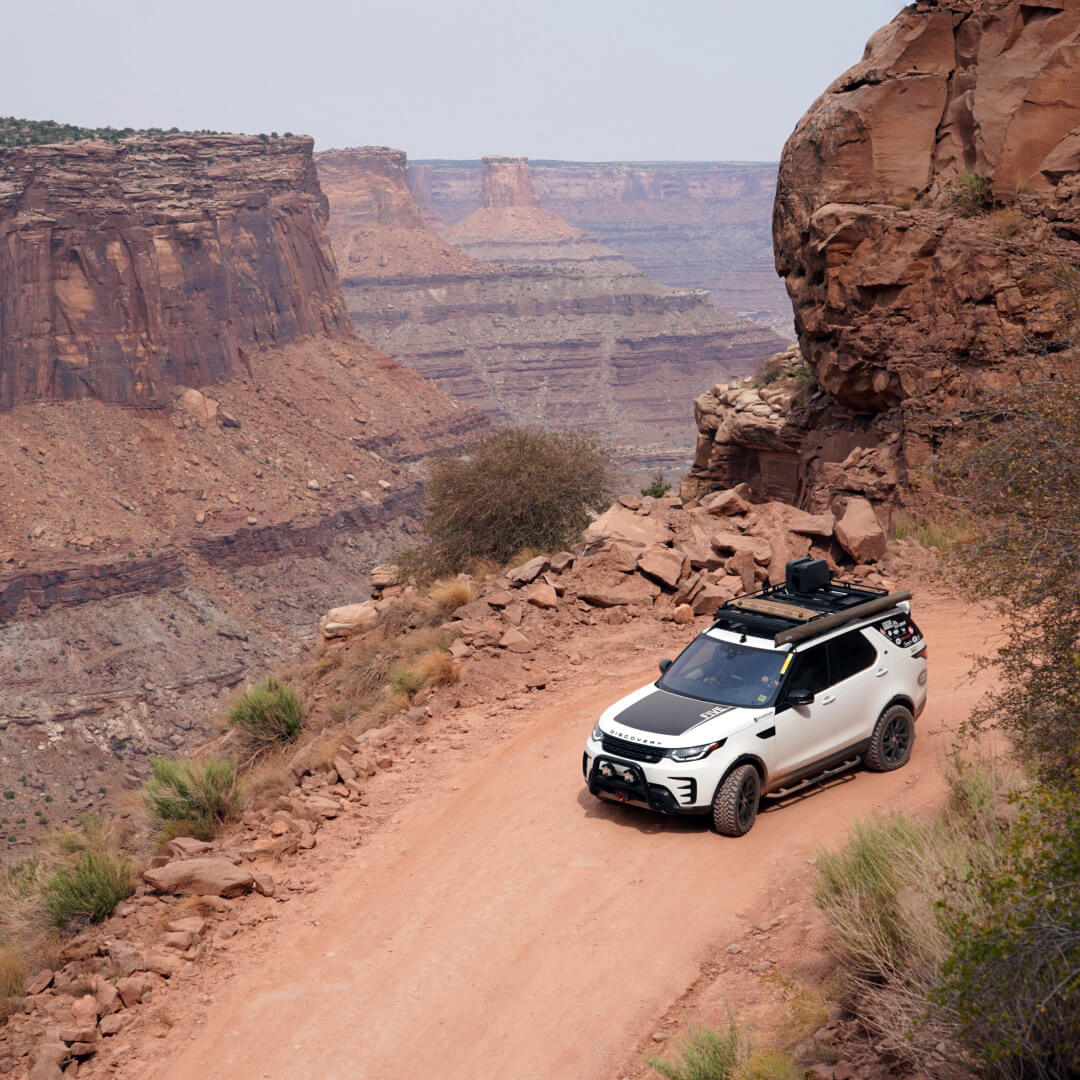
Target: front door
[{"x": 807, "y": 733}]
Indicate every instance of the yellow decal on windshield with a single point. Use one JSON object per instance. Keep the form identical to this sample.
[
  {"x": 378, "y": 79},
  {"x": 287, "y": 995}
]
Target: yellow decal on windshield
[
  {"x": 787, "y": 663},
  {"x": 762, "y": 697}
]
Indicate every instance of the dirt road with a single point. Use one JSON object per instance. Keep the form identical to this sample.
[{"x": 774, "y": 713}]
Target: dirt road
[{"x": 504, "y": 924}]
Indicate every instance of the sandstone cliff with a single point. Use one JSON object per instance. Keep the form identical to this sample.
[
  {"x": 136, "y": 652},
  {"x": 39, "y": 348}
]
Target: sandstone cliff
[
  {"x": 698, "y": 225},
  {"x": 926, "y": 225},
  {"x": 234, "y": 459},
  {"x": 130, "y": 267},
  {"x": 560, "y": 331}
]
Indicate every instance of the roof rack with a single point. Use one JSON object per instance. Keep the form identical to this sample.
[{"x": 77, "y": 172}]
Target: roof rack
[{"x": 788, "y": 613}]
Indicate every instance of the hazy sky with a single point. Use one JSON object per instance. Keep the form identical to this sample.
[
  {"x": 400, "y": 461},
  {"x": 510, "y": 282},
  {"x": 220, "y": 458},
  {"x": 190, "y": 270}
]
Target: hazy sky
[{"x": 576, "y": 79}]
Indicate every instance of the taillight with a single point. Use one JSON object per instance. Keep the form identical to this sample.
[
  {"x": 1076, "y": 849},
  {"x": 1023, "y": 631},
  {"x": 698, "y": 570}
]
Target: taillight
[{"x": 922, "y": 653}]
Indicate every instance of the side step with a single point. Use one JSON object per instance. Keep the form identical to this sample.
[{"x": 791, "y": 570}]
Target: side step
[{"x": 843, "y": 767}]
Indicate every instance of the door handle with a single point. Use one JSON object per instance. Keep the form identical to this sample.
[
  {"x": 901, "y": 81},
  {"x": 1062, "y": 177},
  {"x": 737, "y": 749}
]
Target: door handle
[
  {"x": 827, "y": 699},
  {"x": 881, "y": 671}
]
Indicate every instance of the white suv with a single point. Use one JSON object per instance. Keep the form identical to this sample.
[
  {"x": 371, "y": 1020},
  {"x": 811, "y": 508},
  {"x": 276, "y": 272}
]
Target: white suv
[{"x": 789, "y": 686}]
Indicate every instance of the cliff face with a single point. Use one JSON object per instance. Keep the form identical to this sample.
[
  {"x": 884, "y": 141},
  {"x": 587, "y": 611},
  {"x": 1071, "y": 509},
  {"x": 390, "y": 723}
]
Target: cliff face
[
  {"x": 157, "y": 555},
  {"x": 554, "y": 329},
  {"x": 699, "y": 225},
  {"x": 926, "y": 225},
  {"x": 129, "y": 268}
]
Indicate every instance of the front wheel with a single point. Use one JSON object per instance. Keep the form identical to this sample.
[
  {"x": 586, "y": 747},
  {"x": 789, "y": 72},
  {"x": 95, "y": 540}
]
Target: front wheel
[
  {"x": 892, "y": 740},
  {"x": 736, "y": 801}
]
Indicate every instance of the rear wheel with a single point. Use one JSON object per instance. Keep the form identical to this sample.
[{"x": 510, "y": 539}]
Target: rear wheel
[
  {"x": 736, "y": 801},
  {"x": 894, "y": 735}
]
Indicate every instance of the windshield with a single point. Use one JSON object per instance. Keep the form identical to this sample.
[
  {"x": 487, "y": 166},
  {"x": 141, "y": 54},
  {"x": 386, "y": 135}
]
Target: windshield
[{"x": 726, "y": 673}]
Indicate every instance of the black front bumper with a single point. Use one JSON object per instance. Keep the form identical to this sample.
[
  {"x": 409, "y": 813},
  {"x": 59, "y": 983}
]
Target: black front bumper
[{"x": 624, "y": 782}]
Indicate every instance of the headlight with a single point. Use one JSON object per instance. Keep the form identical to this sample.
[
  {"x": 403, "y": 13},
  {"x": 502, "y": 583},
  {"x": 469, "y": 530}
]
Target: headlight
[
  {"x": 695, "y": 753},
  {"x": 597, "y": 734}
]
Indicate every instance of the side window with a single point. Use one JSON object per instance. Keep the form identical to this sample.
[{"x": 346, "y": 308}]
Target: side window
[
  {"x": 848, "y": 655},
  {"x": 811, "y": 671}
]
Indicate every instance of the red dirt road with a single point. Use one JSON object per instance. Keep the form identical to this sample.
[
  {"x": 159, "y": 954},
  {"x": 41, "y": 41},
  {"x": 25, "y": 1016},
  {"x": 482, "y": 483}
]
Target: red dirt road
[{"x": 502, "y": 923}]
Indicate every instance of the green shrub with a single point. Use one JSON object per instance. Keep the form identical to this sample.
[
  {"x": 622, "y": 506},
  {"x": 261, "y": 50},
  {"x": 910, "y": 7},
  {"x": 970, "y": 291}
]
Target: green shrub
[
  {"x": 405, "y": 680},
  {"x": 204, "y": 793},
  {"x": 268, "y": 714},
  {"x": 1013, "y": 976},
  {"x": 88, "y": 889},
  {"x": 519, "y": 488},
  {"x": 658, "y": 486},
  {"x": 703, "y": 1055},
  {"x": 1016, "y": 479},
  {"x": 970, "y": 192}
]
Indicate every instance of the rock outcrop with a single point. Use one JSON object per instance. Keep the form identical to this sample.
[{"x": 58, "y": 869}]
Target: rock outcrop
[
  {"x": 695, "y": 225},
  {"x": 542, "y": 325},
  {"x": 131, "y": 267},
  {"x": 926, "y": 225}
]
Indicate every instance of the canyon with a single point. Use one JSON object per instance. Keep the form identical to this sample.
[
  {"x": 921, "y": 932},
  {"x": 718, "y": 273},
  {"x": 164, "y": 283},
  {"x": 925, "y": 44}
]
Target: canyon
[
  {"x": 695, "y": 225},
  {"x": 197, "y": 452},
  {"x": 524, "y": 316},
  {"x": 926, "y": 227}
]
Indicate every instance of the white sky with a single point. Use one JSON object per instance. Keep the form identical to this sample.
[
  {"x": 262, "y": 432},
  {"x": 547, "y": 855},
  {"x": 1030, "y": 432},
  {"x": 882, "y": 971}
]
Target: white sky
[{"x": 589, "y": 80}]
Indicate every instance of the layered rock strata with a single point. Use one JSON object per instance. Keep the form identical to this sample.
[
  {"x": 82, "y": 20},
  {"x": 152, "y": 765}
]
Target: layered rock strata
[
  {"x": 560, "y": 331},
  {"x": 926, "y": 225},
  {"x": 698, "y": 225},
  {"x": 132, "y": 266},
  {"x": 233, "y": 459}
]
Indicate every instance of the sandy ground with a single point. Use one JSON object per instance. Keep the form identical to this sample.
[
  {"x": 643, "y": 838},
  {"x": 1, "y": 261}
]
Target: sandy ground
[{"x": 500, "y": 922}]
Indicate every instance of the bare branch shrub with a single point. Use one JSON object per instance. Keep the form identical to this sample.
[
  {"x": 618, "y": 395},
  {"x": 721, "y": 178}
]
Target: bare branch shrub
[{"x": 518, "y": 488}]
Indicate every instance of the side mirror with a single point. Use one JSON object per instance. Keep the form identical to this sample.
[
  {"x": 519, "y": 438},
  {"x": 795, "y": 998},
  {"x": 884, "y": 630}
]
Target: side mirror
[
  {"x": 800, "y": 697},
  {"x": 664, "y": 665}
]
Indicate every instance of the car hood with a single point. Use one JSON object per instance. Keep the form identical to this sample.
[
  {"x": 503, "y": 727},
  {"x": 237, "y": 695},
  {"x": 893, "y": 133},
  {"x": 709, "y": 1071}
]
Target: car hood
[{"x": 651, "y": 711}]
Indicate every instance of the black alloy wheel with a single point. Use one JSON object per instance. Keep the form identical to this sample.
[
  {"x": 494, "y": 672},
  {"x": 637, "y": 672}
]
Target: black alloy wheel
[{"x": 892, "y": 740}]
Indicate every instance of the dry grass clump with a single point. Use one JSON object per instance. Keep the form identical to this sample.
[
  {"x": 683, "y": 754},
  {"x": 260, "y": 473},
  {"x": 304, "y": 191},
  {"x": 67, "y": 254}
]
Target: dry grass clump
[
  {"x": 13, "y": 973},
  {"x": 451, "y": 593},
  {"x": 880, "y": 895},
  {"x": 1008, "y": 221},
  {"x": 943, "y": 535},
  {"x": 707, "y": 1055}
]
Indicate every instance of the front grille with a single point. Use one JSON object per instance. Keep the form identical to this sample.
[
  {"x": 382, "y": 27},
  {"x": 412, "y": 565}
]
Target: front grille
[{"x": 634, "y": 751}]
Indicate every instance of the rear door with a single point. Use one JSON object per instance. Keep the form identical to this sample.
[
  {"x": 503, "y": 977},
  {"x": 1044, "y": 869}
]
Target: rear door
[
  {"x": 856, "y": 678},
  {"x": 806, "y": 733}
]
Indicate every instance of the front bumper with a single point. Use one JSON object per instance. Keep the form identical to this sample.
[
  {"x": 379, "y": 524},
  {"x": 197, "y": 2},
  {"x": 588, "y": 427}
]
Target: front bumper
[{"x": 626, "y": 782}]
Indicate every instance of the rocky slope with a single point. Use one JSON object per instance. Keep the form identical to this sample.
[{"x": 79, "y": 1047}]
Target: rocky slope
[
  {"x": 235, "y": 455},
  {"x": 560, "y": 332},
  {"x": 926, "y": 225},
  {"x": 698, "y": 225}
]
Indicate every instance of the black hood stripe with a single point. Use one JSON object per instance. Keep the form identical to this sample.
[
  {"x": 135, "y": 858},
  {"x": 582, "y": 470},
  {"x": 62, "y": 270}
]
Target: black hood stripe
[{"x": 662, "y": 713}]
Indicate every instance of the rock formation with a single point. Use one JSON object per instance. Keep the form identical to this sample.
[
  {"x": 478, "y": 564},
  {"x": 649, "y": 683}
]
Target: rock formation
[
  {"x": 233, "y": 459},
  {"x": 926, "y": 225},
  {"x": 131, "y": 267},
  {"x": 696, "y": 225},
  {"x": 560, "y": 331}
]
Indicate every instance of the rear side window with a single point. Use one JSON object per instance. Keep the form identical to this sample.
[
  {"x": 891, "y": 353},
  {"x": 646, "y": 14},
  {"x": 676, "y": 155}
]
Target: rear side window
[
  {"x": 811, "y": 671},
  {"x": 848, "y": 655},
  {"x": 900, "y": 630}
]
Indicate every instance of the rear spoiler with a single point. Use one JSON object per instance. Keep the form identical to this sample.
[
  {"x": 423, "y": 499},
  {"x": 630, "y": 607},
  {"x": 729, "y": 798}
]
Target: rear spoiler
[{"x": 838, "y": 618}]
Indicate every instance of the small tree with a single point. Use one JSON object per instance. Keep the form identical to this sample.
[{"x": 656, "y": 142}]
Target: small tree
[
  {"x": 519, "y": 488},
  {"x": 1017, "y": 477}
]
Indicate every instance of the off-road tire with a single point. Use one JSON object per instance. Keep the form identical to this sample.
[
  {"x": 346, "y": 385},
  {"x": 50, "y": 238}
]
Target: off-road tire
[
  {"x": 894, "y": 736},
  {"x": 735, "y": 803}
]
